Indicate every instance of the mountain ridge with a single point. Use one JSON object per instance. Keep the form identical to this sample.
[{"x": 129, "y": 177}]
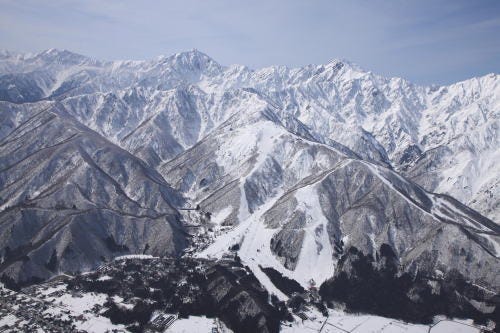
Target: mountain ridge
[{"x": 237, "y": 141}]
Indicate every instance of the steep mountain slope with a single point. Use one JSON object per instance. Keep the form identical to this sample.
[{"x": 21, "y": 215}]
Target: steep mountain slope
[
  {"x": 396, "y": 122},
  {"x": 444, "y": 138},
  {"x": 71, "y": 199},
  {"x": 460, "y": 134},
  {"x": 297, "y": 204}
]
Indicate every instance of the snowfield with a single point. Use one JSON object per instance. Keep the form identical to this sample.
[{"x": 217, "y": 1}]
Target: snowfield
[{"x": 338, "y": 322}]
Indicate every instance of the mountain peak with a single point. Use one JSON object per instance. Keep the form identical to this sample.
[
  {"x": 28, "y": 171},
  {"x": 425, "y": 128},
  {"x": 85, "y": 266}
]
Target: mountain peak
[
  {"x": 191, "y": 62},
  {"x": 61, "y": 56},
  {"x": 54, "y": 52},
  {"x": 342, "y": 62}
]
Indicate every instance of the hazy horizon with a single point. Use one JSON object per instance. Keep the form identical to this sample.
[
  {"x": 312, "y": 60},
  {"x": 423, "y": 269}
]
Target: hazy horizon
[{"x": 426, "y": 42}]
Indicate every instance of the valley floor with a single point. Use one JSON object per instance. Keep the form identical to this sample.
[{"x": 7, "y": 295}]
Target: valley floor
[
  {"x": 340, "y": 322},
  {"x": 55, "y": 307}
]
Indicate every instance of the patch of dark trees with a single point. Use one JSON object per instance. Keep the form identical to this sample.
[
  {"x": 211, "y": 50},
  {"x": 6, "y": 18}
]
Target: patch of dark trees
[
  {"x": 9, "y": 257},
  {"x": 286, "y": 285},
  {"x": 52, "y": 264},
  {"x": 410, "y": 154},
  {"x": 113, "y": 246},
  {"x": 136, "y": 318},
  {"x": 17, "y": 254},
  {"x": 12, "y": 284},
  {"x": 368, "y": 285},
  {"x": 226, "y": 290}
]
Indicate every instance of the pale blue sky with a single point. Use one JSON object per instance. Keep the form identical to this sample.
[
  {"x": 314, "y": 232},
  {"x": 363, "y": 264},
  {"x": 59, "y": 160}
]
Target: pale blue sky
[{"x": 425, "y": 41}]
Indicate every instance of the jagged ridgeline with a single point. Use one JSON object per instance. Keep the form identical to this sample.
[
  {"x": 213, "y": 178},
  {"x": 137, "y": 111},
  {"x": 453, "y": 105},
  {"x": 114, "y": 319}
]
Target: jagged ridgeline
[{"x": 309, "y": 174}]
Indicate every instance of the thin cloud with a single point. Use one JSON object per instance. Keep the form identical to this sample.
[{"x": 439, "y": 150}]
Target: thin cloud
[{"x": 438, "y": 41}]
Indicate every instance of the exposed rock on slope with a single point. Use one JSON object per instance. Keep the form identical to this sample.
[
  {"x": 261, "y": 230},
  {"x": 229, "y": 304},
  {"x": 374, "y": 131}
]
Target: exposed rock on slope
[
  {"x": 300, "y": 162},
  {"x": 175, "y": 101},
  {"x": 71, "y": 199},
  {"x": 298, "y": 203}
]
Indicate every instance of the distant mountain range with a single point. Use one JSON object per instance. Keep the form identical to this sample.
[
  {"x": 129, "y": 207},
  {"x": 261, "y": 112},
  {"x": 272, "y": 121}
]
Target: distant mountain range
[{"x": 292, "y": 166}]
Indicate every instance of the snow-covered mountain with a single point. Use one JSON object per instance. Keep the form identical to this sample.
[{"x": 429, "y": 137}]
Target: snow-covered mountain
[
  {"x": 299, "y": 163},
  {"x": 71, "y": 199},
  {"x": 445, "y": 138}
]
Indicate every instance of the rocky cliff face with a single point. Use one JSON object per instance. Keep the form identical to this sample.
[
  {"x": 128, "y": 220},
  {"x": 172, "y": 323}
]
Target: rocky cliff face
[{"x": 299, "y": 164}]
